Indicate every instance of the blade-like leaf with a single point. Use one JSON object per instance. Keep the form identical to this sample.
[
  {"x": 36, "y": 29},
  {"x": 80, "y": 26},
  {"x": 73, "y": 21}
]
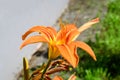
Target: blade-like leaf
[{"x": 26, "y": 69}]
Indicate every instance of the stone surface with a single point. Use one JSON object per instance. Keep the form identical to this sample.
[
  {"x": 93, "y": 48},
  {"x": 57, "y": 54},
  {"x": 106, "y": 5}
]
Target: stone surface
[{"x": 39, "y": 56}]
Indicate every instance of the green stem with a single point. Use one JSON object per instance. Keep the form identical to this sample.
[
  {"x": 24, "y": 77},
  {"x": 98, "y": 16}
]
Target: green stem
[{"x": 48, "y": 63}]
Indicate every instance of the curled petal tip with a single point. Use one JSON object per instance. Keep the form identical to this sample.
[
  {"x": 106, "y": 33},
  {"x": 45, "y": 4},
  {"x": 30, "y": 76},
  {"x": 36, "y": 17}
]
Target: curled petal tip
[
  {"x": 96, "y": 20},
  {"x": 21, "y": 46},
  {"x": 23, "y": 38},
  {"x": 88, "y": 24},
  {"x": 95, "y": 59}
]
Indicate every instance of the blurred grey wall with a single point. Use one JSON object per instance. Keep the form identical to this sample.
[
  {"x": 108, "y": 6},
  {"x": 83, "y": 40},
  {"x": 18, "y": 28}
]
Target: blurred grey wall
[{"x": 17, "y": 16}]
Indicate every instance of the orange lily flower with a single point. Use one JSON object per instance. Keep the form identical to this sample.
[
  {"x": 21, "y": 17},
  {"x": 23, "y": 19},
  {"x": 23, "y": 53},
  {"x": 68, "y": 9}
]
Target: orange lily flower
[{"x": 61, "y": 42}]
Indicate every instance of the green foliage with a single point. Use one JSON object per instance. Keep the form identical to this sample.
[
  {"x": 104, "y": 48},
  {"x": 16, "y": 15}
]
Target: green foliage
[
  {"x": 65, "y": 75},
  {"x": 114, "y": 7},
  {"x": 117, "y": 78},
  {"x": 106, "y": 61},
  {"x": 110, "y": 37},
  {"x": 96, "y": 74}
]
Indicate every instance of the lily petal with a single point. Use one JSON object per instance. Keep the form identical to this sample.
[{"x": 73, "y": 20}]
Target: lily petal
[
  {"x": 47, "y": 31},
  {"x": 85, "y": 47},
  {"x": 69, "y": 53},
  {"x": 72, "y": 35},
  {"x": 52, "y": 32},
  {"x": 88, "y": 24},
  {"x": 53, "y": 52},
  {"x": 72, "y": 77},
  {"x": 62, "y": 34},
  {"x": 57, "y": 78},
  {"x": 33, "y": 39}
]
